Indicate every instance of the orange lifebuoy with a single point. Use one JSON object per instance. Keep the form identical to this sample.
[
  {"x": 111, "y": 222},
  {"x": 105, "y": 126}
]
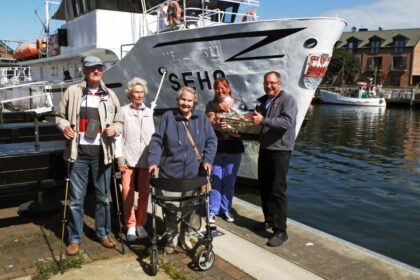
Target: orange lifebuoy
[
  {"x": 249, "y": 14},
  {"x": 174, "y": 13}
]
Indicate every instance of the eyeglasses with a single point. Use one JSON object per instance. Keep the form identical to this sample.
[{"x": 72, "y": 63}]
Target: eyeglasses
[
  {"x": 270, "y": 83},
  {"x": 93, "y": 68}
]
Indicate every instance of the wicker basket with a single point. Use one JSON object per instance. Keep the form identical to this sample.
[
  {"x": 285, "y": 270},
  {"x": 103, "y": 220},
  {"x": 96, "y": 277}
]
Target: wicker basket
[{"x": 242, "y": 126}]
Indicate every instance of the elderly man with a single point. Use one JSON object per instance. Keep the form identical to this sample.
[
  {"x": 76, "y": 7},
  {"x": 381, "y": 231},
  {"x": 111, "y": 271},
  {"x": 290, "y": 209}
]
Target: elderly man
[
  {"x": 277, "y": 114},
  {"x": 89, "y": 117}
]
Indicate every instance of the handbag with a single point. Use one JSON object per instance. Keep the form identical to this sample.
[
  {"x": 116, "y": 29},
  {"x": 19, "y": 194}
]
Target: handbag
[{"x": 201, "y": 171}]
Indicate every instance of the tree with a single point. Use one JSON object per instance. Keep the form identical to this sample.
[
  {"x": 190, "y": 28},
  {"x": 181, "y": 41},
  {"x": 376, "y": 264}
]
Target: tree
[{"x": 351, "y": 66}]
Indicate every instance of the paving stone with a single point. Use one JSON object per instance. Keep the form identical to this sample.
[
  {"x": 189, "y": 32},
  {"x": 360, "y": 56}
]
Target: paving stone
[
  {"x": 234, "y": 272},
  {"x": 26, "y": 240}
]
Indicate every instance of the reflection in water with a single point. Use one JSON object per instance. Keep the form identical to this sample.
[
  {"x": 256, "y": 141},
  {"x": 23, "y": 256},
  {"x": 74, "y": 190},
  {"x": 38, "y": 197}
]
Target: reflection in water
[{"x": 355, "y": 173}]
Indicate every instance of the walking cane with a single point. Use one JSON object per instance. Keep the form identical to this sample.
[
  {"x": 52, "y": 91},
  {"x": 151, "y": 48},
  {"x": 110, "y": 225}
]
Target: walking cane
[
  {"x": 64, "y": 220},
  {"x": 116, "y": 197}
]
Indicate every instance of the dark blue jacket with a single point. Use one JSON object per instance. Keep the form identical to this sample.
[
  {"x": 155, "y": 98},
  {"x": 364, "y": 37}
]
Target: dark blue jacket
[{"x": 171, "y": 150}]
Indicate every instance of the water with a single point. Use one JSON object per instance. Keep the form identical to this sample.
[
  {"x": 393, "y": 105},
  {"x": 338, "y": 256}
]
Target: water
[{"x": 355, "y": 174}]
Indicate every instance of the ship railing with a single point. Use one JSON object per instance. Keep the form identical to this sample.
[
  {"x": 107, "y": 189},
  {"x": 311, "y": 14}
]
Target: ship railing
[
  {"x": 200, "y": 16},
  {"x": 33, "y": 97}
]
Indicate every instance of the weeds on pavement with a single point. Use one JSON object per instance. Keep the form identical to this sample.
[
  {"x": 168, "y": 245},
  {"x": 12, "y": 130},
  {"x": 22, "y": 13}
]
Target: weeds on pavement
[{"x": 46, "y": 268}]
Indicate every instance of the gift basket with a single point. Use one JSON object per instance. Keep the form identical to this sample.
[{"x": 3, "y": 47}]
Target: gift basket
[{"x": 239, "y": 119}]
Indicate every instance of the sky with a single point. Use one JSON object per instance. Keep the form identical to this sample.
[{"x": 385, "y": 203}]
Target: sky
[{"x": 19, "y": 22}]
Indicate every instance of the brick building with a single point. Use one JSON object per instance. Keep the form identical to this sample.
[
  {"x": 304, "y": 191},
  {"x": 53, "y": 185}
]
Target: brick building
[
  {"x": 392, "y": 56},
  {"x": 6, "y": 54}
]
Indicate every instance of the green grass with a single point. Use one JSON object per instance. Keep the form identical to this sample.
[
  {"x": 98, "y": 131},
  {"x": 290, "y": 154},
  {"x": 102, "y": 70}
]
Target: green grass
[
  {"x": 46, "y": 268},
  {"x": 22, "y": 240},
  {"x": 173, "y": 272}
]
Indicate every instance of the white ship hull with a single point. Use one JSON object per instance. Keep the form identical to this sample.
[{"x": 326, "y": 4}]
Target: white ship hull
[
  {"x": 242, "y": 52},
  {"x": 335, "y": 98}
]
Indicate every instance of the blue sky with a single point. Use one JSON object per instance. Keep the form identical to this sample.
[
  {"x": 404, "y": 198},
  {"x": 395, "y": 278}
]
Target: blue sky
[{"x": 19, "y": 22}]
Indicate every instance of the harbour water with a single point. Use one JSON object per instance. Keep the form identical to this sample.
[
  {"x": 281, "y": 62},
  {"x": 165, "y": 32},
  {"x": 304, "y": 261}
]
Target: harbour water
[{"x": 355, "y": 174}]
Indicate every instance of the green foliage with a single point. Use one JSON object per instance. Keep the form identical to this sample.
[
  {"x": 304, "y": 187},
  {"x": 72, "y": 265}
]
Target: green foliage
[
  {"x": 351, "y": 66},
  {"x": 46, "y": 268},
  {"x": 22, "y": 240},
  {"x": 173, "y": 272}
]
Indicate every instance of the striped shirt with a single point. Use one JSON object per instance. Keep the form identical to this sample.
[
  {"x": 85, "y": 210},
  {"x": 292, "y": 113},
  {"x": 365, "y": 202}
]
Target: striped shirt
[{"x": 90, "y": 149}]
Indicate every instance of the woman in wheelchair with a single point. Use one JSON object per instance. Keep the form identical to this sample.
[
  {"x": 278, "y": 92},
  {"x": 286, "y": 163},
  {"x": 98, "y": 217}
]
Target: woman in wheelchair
[{"x": 172, "y": 151}]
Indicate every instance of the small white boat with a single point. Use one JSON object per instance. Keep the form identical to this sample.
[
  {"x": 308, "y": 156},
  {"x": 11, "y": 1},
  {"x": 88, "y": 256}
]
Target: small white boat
[{"x": 365, "y": 95}]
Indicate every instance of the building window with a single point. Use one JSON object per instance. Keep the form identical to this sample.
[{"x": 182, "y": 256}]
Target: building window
[
  {"x": 352, "y": 46},
  {"x": 399, "y": 63},
  {"x": 374, "y": 46},
  {"x": 395, "y": 81},
  {"x": 374, "y": 64},
  {"x": 399, "y": 45}
]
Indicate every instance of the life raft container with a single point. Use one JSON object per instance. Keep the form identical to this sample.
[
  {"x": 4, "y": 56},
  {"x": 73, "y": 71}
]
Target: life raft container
[
  {"x": 26, "y": 50},
  {"x": 249, "y": 14},
  {"x": 174, "y": 13}
]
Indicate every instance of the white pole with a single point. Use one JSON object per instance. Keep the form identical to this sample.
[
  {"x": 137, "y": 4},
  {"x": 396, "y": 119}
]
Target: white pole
[{"x": 153, "y": 105}]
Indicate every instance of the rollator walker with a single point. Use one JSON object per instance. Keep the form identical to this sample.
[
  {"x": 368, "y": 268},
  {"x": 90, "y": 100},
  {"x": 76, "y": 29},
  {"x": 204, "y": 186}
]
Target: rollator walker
[{"x": 203, "y": 250}]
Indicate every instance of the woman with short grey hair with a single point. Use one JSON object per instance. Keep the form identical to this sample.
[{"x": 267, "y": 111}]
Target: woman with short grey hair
[
  {"x": 131, "y": 151},
  {"x": 172, "y": 152},
  {"x": 136, "y": 81}
]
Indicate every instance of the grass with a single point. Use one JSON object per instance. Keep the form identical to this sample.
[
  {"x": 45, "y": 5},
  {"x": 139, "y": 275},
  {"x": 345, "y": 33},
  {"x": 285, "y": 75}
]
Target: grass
[
  {"x": 173, "y": 272},
  {"x": 22, "y": 240},
  {"x": 46, "y": 268}
]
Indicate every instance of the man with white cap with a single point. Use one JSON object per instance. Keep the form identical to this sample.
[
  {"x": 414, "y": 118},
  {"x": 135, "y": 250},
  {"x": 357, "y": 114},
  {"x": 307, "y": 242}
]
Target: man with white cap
[{"x": 89, "y": 117}]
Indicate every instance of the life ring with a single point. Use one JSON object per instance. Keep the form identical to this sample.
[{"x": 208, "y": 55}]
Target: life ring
[
  {"x": 174, "y": 13},
  {"x": 249, "y": 14}
]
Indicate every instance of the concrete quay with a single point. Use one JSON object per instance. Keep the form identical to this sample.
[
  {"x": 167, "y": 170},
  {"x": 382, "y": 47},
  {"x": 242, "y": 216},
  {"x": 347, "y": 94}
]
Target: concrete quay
[{"x": 241, "y": 253}]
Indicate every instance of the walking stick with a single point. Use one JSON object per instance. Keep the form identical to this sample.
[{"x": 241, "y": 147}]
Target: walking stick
[
  {"x": 116, "y": 197},
  {"x": 64, "y": 220}
]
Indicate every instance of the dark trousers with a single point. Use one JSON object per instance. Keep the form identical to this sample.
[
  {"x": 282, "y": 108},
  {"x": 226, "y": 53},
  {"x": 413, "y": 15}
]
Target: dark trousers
[{"x": 272, "y": 171}]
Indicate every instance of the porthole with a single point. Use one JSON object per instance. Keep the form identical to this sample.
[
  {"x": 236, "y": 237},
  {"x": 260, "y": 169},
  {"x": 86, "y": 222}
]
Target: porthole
[{"x": 310, "y": 43}]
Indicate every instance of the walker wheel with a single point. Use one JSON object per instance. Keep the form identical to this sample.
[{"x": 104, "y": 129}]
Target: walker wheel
[
  {"x": 204, "y": 259},
  {"x": 154, "y": 260}
]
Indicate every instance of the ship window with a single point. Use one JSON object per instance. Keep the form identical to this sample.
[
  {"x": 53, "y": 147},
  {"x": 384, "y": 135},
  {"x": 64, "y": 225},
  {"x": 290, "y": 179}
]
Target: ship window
[
  {"x": 310, "y": 43},
  {"x": 399, "y": 45},
  {"x": 374, "y": 46},
  {"x": 230, "y": 8},
  {"x": 228, "y": 15}
]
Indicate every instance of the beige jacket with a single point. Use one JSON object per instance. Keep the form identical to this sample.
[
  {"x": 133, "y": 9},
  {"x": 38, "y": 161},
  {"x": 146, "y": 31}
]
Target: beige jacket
[
  {"x": 68, "y": 113},
  {"x": 133, "y": 143}
]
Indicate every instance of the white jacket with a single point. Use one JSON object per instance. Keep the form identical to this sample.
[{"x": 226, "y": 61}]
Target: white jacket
[{"x": 133, "y": 143}]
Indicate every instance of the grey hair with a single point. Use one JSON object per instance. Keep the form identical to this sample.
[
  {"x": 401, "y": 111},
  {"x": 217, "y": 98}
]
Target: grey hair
[
  {"x": 189, "y": 89},
  {"x": 136, "y": 81},
  {"x": 277, "y": 74}
]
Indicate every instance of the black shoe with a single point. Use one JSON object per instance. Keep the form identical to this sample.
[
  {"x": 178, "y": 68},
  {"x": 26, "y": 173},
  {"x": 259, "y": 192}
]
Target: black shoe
[
  {"x": 263, "y": 226},
  {"x": 228, "y": 217},
  {"x": 277, "y": 239}
]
